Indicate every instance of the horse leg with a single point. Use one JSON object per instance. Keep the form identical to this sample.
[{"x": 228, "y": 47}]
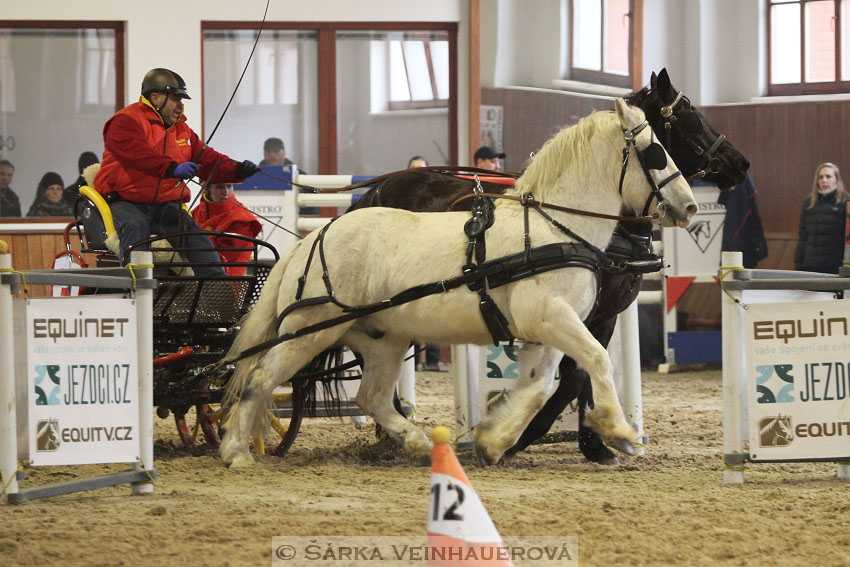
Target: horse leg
[
  {"x": 562, "y": 328},
  {"x": 506, "y": 422},
  {"x": 279, "y": 364},
  {"x": 602, "y": 327},
  {"x": 568, "y": 389},
  {"x": 382, "y": 361},
  {"x": 589, "y": 441}
]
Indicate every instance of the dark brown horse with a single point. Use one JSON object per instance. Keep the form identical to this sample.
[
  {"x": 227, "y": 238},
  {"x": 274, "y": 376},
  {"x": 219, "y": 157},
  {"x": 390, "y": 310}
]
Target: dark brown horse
[{"x": 696, "y": 148}]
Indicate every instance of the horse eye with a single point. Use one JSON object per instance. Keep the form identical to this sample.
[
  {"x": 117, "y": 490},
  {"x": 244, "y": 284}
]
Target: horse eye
[{"x": 654, "y": 156}]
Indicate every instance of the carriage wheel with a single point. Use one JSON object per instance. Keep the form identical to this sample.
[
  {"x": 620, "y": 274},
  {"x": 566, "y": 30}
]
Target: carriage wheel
[
  {"x": 287, "y": 430},
  {"x": 209, "y": 418},
  {"x": 187, "y": 436}
]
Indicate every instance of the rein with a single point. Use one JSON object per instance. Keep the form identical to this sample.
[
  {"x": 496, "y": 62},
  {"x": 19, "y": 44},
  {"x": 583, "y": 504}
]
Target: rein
[
  {"x": 535, "y": 203},
  {"x": 375, "y": 180}
]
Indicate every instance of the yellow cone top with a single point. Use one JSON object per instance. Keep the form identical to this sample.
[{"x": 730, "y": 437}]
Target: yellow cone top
[
  {"x": 441, "y": 435},
  {"x": 4, "y": 248}
]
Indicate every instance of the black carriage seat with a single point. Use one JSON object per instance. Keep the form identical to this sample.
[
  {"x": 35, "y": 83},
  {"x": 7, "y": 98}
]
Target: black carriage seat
[
  {"x": 195, "y": 302},
  {"x": 182, "y": 303}
]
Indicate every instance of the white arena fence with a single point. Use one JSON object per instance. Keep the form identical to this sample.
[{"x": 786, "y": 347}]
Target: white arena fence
[
  {"x": 48, "y": 357},
  {"x": 786, "y": 367}
]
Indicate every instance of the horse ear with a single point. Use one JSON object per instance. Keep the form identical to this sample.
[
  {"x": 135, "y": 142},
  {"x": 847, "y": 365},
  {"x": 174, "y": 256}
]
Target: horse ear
[
  {"x": 653, "y": 80},
  {"x": 664, "y": 80},
  {"x": 627, "y": 114}
]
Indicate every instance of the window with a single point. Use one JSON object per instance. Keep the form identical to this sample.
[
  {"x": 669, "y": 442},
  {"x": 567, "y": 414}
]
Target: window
[
  {"x": 60, "y": 81},
  {"x": 807, "y": 46},
  {"x": 603, "y": 35},
  {"x": 324, "y": 88},
  {"x": 98, "y": 69},
  {"x": 418, "y": 73}
]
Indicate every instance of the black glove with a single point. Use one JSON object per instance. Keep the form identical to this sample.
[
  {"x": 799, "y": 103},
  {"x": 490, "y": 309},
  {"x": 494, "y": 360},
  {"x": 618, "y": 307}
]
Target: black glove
[
  {"x": 187, "y": 170},
  {"x": 247, "y": 169}
]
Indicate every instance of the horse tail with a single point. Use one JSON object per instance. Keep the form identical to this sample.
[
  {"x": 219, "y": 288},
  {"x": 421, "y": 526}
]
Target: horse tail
[{"x": 256, "y": 327}]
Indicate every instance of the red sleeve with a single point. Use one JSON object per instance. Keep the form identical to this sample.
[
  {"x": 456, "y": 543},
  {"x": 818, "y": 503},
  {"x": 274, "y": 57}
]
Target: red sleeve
[
  {"x": 226, "y": 170},
  {"x": 125, "y": 139},
  {"x": 245, "y": 228}
]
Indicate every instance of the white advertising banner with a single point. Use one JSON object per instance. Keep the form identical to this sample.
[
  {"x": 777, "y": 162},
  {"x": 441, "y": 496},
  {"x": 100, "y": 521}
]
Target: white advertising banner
[
  {"x": 82, "y": 380},
  {"x": 798, "y": 379},
  {"x": 696, "y": 250}
]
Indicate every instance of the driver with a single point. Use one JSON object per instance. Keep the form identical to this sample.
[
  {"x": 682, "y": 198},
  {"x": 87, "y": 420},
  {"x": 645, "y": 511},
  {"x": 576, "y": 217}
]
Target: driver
[{"x": 149, "y": 153}]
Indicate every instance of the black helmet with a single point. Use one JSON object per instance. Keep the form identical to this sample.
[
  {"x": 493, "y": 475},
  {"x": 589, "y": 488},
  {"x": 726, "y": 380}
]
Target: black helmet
[{"x": 161, "y": 80}]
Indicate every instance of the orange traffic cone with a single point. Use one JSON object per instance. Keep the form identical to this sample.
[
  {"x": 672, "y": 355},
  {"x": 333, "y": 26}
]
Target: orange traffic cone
[{"x": 460, "y": 532}]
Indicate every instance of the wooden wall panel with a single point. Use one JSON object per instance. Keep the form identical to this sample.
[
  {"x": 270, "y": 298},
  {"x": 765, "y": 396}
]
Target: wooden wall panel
[
  {"x": 783, "y": 141},
  {"x": 533, "y": 116},
  {"x": 35, "y": 251}
]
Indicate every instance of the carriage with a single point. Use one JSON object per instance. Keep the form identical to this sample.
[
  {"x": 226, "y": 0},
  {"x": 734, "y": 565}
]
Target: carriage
[{"x": 195, "y": 319}]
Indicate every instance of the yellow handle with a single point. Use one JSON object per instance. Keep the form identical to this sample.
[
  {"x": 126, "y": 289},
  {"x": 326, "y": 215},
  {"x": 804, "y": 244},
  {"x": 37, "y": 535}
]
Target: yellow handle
[{"x": 102, "y": 207}]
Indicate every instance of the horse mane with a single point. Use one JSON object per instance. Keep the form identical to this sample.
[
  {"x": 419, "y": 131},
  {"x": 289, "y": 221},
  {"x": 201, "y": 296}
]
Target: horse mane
[{"x": 558, "y": 156}]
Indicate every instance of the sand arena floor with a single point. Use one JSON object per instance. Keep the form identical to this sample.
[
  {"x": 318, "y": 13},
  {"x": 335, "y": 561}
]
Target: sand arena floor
[{"x": 668, "y": 507}]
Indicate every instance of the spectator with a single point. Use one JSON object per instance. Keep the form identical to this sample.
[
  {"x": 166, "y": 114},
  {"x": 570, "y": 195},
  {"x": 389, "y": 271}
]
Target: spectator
[
  {"x": 742, "y": 229},
  {"x": 71, "y": 191},
  {"x": 820, "y": 243},
  {"x": 48, "y": 200},
  {"x": 417, "y": 161},
  {"x": 487, "y": 158},
  {"x": 149, "y": 152},
  {"x": 10, "y": 205},
  {"x": 274, "y": 153},
  {"x": 220, "y": 210}
]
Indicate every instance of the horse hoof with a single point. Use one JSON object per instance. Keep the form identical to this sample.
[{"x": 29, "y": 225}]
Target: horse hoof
[
  {"x": 420, "y": 460},
  {"x": 608, "y": 461},
  {"x": 241, "y": 461},
  {"x": 622, "y": 445},
  {"x": 484, "y": 457}
]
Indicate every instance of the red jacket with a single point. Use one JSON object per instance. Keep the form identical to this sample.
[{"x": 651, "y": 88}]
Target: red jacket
[
  {"x": 139, "y": 151},
  {"x": 228, "y": 216}
]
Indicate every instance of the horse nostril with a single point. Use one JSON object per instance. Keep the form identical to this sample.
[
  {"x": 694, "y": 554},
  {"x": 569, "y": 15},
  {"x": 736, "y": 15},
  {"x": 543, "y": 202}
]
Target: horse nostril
[{"x": 692, "y": 210}]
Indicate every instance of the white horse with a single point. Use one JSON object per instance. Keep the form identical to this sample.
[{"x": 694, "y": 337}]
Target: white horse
[{"x": 374, "y": 253}]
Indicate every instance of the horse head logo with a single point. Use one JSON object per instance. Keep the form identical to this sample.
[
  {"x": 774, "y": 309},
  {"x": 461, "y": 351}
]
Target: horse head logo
[
  {"x": 47, "y": 435},
  {"x": 775, "y": 431}
]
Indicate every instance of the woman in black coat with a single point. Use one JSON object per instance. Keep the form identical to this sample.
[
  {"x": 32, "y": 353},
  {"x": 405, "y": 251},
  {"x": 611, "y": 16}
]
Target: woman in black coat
[{"x": 820, "y": 244}]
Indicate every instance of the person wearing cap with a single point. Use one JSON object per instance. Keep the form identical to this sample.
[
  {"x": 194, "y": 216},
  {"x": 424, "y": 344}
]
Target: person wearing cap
[
  {"x": 149, "y": 153},
  {"x": 487, "y": 158},
  {"x": 274, "y": 153},
  {"x": 48, "y": 200}
]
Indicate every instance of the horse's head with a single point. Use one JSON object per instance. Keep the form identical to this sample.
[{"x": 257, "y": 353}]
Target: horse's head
[
  {"x": 651, "y": 183},
  {"x": 694, "y": 145}
]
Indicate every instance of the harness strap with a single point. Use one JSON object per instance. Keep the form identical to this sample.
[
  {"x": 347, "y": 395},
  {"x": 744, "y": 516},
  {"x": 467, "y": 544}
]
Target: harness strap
[
  {"x": 303, "y": 279},
  {"x": 475, "y": 228},
  {"x": 544, "y": 259}
]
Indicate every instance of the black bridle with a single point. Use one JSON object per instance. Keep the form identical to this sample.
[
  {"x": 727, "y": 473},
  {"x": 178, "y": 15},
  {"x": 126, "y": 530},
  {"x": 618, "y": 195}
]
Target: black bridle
[
  {"x": 705, "y": 151},
  {"x": 652, "y": 157}
]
